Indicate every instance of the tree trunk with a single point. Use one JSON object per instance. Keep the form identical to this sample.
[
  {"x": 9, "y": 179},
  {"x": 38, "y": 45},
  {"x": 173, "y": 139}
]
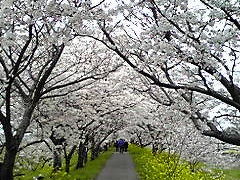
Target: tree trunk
[
  {"x": 13, "y": 143},
  {"x": 8, "y": 164},
  {"x": 154, "y": 149},
  {"x": 81, "y": 156},
  {"x": 85, "y": 155},
  {"x": 68, "y": 157},
  {"x": 67, "y": 167},
  {"x": 57, "y": 161},
  {"x": 95, "y": 152}
]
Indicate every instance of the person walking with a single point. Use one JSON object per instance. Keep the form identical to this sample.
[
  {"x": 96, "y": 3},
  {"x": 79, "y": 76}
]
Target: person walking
[
  {"x": 125, "y": 146},
  {"x": 121, "y": 145},
  {"x": 116, "y": 145}
]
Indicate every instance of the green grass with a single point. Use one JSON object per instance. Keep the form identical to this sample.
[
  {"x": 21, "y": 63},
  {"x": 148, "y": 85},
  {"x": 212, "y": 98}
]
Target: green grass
[
  {"x": 232, "y": 174},
  {"x": 89, "y": 172},
  {"x": 164, "y": 166}
]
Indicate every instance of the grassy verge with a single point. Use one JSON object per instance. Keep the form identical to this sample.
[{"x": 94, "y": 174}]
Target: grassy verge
[
  {"x": 89, "y": 172},
  {"x": 232, "y": 174},
  {"x": 165, "y": 166}
]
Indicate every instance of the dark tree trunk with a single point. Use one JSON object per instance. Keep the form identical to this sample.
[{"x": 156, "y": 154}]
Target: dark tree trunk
[
  {"x": 95, "y": 153},
  {"x": 13, "y": 143},
  {"x": 68, "y": 157},
  {"x": 57, "y": 161},
  {"x": 154, "y": 149},
  {"x": 8, "y": 164},
  {"x": 85, "y": 156},
  {"x": 67, "y": 167},
  {"x": 81, "y": 156}
]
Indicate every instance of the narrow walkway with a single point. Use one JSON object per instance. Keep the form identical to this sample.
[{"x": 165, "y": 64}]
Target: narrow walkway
[{"x": 118, "y": 167}]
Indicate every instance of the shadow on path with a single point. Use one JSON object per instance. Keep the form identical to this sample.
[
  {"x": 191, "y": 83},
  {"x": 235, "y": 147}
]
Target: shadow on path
[{"x": 118, "y": 167}]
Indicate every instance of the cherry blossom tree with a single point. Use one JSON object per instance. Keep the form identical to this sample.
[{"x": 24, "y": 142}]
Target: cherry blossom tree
[
  {"x": 83, "y": 119},
  {"x": 188, "y": 48},
  {"x": 165, "y": 129},
  {"x": 187, "y": 57},
  {"x": 38, "y": 39}
]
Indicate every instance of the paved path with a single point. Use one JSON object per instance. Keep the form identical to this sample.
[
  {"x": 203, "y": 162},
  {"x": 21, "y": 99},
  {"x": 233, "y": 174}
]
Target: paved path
[{"x": 118, "y": 167}]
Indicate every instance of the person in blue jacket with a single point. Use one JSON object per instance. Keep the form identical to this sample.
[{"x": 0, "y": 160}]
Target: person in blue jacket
[{"x": 121, "y": 143}]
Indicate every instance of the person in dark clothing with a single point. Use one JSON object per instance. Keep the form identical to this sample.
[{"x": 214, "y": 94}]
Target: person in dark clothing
[
  {"x": 125, "y": 146},
  {"x": 116, "y": 146},
  {"x": 121, "y": 145}
]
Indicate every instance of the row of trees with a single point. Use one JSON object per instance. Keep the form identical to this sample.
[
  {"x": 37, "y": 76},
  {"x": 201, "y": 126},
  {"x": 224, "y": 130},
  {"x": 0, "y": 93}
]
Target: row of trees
[
  {"x": 77, "y": 123},
  {"x": 184, "y": 53},
  {"x": 163, "y": 129},
  {"x": 61, "y": 64},
  {"x": 42, "y": 58}
]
